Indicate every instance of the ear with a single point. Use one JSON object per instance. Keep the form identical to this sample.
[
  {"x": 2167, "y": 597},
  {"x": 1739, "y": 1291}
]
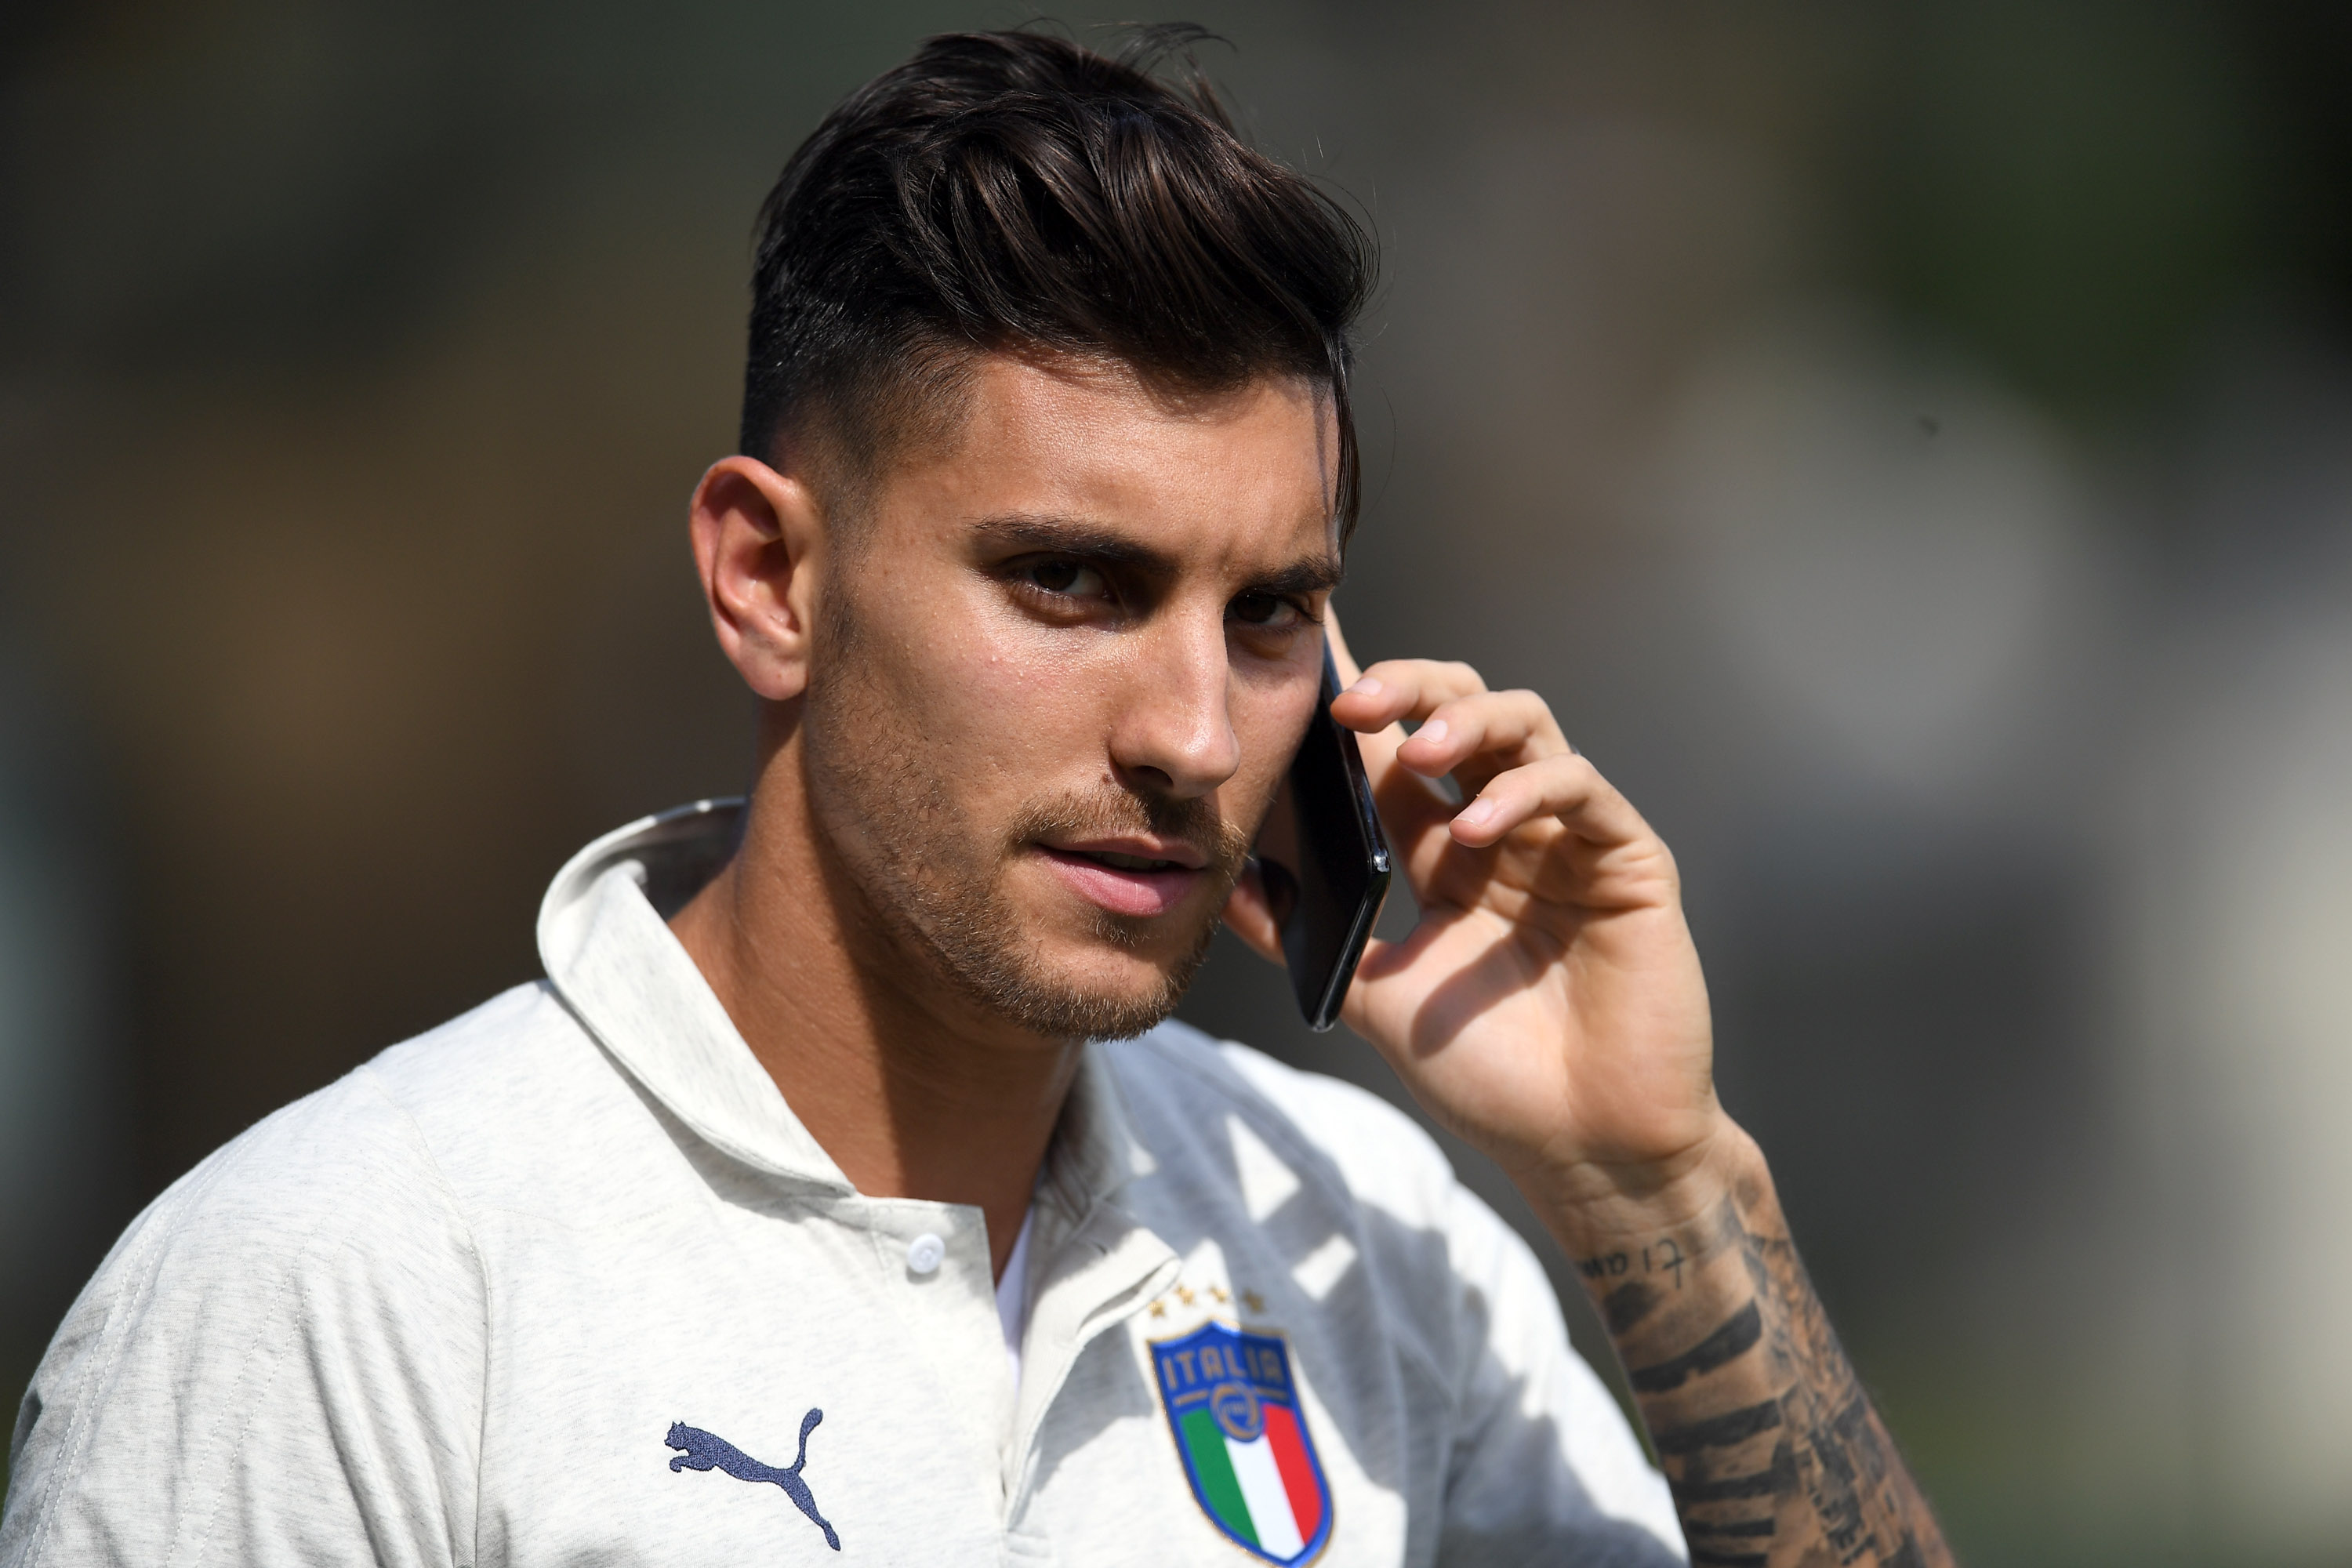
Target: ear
[{"x": 758, "y": 535}]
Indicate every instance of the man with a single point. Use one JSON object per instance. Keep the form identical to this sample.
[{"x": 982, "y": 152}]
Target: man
[{"x": 843, "y": 1189}]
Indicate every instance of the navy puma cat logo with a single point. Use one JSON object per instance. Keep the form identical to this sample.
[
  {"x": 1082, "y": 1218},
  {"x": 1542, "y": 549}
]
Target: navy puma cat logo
[{"x": 704, "y": 1452}]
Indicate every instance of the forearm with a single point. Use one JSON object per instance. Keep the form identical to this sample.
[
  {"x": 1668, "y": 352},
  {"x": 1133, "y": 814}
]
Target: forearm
[{"x": 1773, "y": 1450}]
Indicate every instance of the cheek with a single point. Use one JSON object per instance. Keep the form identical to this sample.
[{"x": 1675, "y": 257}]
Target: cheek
[
  {"x": 1013, "y": 710},
  {"x": 1268, "y": 723}
]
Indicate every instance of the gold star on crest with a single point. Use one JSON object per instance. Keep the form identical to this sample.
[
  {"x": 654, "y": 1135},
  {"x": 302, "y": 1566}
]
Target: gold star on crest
[
  {"x": 1219, "y": 1292},
  {"x": 1254, "y": 1302},
  {"x": 1184, "y": 1294},
  {"x": 1158, "y": 1309}
]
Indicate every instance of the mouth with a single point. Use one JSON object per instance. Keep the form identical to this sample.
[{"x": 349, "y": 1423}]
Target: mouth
[
  {"x": 1118, "y": 862},
  {"x": 1128, "y": 878}
]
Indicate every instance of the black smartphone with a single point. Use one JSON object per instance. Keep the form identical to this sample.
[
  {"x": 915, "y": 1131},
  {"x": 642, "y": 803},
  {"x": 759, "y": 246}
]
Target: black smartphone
[{"x": 1324, "y": 861}]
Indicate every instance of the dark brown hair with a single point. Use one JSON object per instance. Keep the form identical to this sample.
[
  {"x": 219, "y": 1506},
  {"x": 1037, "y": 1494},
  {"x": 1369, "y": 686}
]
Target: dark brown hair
[{"x": 1014, "y": 191}]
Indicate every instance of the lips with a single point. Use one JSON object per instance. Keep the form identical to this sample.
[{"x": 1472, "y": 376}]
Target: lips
[{"x": 1125, "y": 881}]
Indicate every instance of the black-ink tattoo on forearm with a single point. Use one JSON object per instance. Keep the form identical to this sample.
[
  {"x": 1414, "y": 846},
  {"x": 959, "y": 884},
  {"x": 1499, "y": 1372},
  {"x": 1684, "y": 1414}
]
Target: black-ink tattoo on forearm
[
  {"x": 1767, "y": 1438},
  {"x": 1737, "y": 1336}
]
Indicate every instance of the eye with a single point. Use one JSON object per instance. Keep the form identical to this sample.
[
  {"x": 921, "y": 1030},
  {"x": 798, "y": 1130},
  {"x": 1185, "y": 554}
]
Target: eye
[
  {"x": 1065, "y": 578},
  {"x": 1266, "y": 612}
]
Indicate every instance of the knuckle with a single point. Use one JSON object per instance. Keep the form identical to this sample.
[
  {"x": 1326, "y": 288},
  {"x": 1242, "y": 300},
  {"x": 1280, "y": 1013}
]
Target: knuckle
[
  {"x": 1400, "y": 681},
  {"x": 1576, "y": 774},
  {"x": 1525, "y": 710},
  {"x": 1463, "y": 713}
]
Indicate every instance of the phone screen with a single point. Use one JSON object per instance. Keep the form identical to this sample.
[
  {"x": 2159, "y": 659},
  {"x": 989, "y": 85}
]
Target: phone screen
[{"x": 1324, "y": 861}]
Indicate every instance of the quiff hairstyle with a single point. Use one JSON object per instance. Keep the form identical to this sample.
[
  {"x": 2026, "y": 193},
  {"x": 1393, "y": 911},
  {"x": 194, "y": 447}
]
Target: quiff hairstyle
[{"x": 1015, "y": 192}]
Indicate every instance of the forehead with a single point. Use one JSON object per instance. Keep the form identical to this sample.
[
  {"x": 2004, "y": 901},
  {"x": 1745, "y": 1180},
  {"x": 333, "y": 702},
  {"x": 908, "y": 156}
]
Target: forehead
[{"x": 1246, "y": 472}]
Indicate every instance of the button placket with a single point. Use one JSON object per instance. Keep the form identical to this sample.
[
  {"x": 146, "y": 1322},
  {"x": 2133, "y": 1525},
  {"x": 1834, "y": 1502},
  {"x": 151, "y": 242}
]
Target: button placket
[
  {"x": 1120, "y": 1264},
  {"x": 935, "y": 1260}
]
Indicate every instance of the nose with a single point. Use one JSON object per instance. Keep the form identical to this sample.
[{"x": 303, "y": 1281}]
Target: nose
[{"x": 1173, "y": 735}]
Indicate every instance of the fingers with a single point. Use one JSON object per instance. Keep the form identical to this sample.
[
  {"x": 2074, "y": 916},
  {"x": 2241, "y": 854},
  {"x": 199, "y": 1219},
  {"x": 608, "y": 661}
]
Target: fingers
[
  {"x": 1511, "y": 727},
  {"x": 1466, "y": 731},
  {"x": 1583, "y": 844},
  {"x": 1564, "y": 786},
  {"x": 1505, "y": 748},
  {"x": 1402, "y": 690}
]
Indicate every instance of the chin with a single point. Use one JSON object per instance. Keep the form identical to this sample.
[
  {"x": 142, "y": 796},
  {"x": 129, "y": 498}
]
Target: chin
[
  {"x": 1118, "y": 975},
  {"x": 1095, "y": 989},
  {"x": 1063, "y": 968}
]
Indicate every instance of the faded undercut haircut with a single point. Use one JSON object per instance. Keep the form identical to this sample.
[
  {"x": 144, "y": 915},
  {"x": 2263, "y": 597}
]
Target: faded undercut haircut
[{"x": 1015, "y": 192}]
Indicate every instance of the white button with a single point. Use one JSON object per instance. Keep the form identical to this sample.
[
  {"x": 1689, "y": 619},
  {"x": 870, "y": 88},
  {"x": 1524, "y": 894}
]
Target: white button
[{"x": 926, "y": 1253}]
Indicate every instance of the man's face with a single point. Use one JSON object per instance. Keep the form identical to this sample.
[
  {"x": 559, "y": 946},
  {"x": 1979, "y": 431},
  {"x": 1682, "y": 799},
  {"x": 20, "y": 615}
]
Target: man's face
[{"x": 1058, "y": 674}]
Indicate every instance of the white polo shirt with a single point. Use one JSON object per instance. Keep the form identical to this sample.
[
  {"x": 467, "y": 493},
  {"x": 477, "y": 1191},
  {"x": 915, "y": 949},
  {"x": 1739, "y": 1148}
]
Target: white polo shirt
[{"x": 565, "y": 1282}]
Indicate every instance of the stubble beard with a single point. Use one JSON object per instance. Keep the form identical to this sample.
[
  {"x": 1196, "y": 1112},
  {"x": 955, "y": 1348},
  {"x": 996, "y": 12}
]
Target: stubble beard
[{"x": 930, "y": 881}]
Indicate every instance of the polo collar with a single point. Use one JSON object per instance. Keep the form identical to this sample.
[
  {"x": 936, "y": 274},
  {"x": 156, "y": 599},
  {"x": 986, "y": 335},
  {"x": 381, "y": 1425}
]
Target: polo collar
[{"x": 612, "y": 957}]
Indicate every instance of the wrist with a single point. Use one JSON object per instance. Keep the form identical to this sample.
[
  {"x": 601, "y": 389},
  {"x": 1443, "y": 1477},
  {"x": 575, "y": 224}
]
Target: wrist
[{"x": 1594, "y": 1208}]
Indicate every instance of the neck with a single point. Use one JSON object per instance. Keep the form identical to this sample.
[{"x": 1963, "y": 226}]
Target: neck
[{"x": 912, "y": 1090}]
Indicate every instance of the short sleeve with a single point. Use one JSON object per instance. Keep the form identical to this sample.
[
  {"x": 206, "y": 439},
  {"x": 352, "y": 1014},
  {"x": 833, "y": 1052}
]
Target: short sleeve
[{"x": 280, "y": 1363}]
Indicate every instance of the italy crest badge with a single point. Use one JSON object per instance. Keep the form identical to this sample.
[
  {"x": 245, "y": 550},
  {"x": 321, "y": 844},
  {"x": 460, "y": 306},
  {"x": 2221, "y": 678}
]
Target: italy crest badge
[{"x": 1238, "y": 1425}]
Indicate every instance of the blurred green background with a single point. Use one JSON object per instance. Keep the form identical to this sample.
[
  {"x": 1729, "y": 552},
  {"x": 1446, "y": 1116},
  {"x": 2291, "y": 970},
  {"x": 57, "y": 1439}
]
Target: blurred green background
[{"x": 1911, "y": 446}]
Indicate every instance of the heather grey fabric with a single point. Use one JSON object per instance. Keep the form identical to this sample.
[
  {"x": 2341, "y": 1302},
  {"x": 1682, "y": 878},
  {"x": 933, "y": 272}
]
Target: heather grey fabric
[{"x": 563, "y": 1282}]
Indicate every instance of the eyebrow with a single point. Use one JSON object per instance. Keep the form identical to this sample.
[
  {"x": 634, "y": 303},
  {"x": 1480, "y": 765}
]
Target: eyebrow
[{"x": 1098, "y": 545}]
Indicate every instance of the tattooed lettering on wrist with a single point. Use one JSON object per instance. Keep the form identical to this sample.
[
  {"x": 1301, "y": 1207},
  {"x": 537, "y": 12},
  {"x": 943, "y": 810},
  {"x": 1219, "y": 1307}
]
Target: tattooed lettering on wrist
[{"x": 1663, "y": 1255}]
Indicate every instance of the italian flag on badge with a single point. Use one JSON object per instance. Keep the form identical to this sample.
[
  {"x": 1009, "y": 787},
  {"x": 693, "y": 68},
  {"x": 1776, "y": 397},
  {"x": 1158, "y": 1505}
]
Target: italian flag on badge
[{"x": 1236, "y": 1413}]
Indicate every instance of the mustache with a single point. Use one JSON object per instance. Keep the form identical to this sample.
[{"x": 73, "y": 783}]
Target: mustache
[{"x": 1224, "y": 846}]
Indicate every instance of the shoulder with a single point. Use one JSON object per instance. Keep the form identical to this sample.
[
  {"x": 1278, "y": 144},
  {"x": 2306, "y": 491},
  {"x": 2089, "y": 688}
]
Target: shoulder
[
  {"x": 371, "y": 1149},
  {"x": 347, "y": 1178},
  {"x": 509, "y": 1053},
  {"x": 315, "y": 1276},
  {"x": 344, "y": 1193}
]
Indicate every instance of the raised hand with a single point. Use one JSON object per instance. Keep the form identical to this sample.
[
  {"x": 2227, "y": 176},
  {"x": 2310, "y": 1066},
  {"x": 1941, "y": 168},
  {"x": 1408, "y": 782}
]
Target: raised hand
[{"x": 1549, "y": 1007}]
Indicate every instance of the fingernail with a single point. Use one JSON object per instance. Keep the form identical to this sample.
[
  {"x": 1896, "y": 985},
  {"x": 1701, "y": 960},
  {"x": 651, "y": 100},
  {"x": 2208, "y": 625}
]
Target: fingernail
[
  {"x": 1433, "y": 732},
  {"x": 1475, "y": 813},
  {"x": 1365, "y": 687}
]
